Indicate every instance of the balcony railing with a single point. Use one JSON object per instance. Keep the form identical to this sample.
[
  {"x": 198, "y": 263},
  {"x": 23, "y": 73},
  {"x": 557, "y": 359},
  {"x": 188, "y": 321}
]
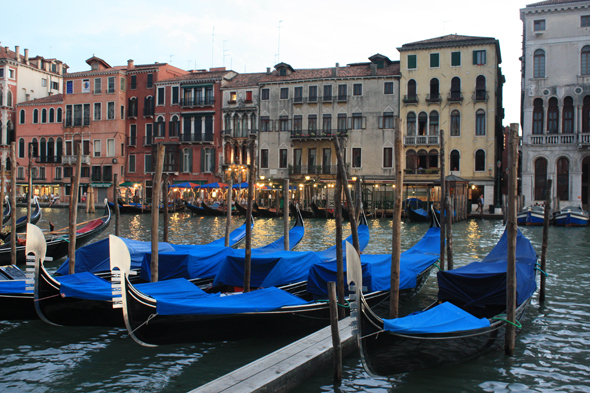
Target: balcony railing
[
  {"x": 328, "y": 98},
  {"x": 39, "y": 178},
  {"x": 298, "y": 100},
  {"x": 410, "y": 99},
  {"x": 107, "y": 177},
  {"x": 312, "y": 99},
  {"x": 315, "y": 169},
  {"x": 239, "y": 134},
  {"x": 304, "y": 134},
  {"x": 71, "y": 160},
  {"x": 205, "y": 137},
  {"x": 557, "y": 139},
  {"x": 190, "y": 103},
  {"x": 433, "y": 98},
  {"x": 422, "y": 171},
  {"x": 455, "y": 97},
  {"x": 480, "y": 95},
  {"x": 342, "y": 98},
  {"x": 167, "y": 167},
  {"x": 20, "y": 178},
  {"x": 585, "y": 139},
  {"x": 420, "y": 140},
  {"x": 48, "y": 160}
]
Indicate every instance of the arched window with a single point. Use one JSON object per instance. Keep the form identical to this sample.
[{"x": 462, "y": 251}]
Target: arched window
[
  {"x": 563, "y": 179},
  {"x": 35, "y": 116},
  {"x": 539, "y": 64},
  {"x": 411, "y": 124},
  {"x": 552, "y": 116},
  {"x": 411, "y": 159},
  {"x": 455, "y": 123},
  {"x": 1, "y": 98},
  {"x": 455, "y": 161},
  {"x": 412, "y": 90},
  {"x": 422, "y": 159},
  {"x": 422, "y": 122},
  {"x": 434, "y": 90},
  {"x": 59, "y": 115},
  {"x": 174, "y": 126},
  {"x": 586, "y": 115},
  {"x": 433, "y": 123},
  {"x": 160, "y": 127},
  {"x": 44, "y": 115},
  {"x": 21, "y": 148},
  {"x": 432, "y": 159},
  {"x": 480, "y": 122},
  {"x": 480, "y": 160},
  {"x": 51, "y": 115},
  {"x": 9, "y": 98},
  {"x": 35, "y": 145},
  {"x": 58, "y": 149},
  {"x": 51, "y": 156},
  {"x": 480, "y": 88},
  {"x": 456, "y": 89},
  {"x": 585, "y": 69},
  {"x": 540, "y": 178},
  {"x": 43, "y": 149},
  {"x": 23, "y": 116},
  {"x": 538, "y": 116},
  {"x": 568, "y": 116}
]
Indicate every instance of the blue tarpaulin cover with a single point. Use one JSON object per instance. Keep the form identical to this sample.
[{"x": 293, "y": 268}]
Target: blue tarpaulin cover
[
  {"x": 421, "y": 212},
  {"x": 178, "y": 287},
  {"x": 13, "y": 287},
  {"x": 484, "y": 283},
  {"x": 267, "y": 299},
  {"x": 377, "y": 268},
  {"x": 443, "y": 318},
  {"x": 85, "y": 285}
]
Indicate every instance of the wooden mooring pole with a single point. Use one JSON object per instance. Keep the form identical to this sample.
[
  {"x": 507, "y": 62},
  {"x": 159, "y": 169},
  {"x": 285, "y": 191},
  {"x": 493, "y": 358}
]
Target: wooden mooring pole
[
  {"x": 442, "y": 201},
  {"x": 165, "y": 201},
  {"x": 545, "y": 238},
  {"x": 450, "y": 211},
  {"x": 13, "y": 170},
  {"x": 74, "y": 194},
  {"x": 339, "y": 251},
  {"x": 251, "y": 180},
  {"x": 154, "y": 266},
  {"x": 116, "y": 202},
  {"x": 512, "y": 231},
  {"x": 228, "y": 200},
  {"x": 286, "y": 213},
  {"x": 336, "y": 344},
  {"x": 396, "y": 237},
  {"x": 2, "y": 188},
  {"x": 349, "y": 201},
  {"x": 30, "y": 193}
]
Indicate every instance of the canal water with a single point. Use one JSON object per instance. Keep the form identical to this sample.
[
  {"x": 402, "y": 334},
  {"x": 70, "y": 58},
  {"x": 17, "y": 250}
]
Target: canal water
[{"x": 552, "y": 352}]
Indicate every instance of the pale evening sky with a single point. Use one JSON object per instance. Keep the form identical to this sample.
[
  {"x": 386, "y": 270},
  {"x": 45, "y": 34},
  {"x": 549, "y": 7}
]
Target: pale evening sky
[{"x": 244, "y": 34}]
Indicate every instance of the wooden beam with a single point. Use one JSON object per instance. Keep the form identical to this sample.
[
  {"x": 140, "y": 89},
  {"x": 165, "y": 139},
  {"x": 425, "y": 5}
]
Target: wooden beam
[
  {"x": 165, "y": 200},
  {"x": 30, "y": 193}
]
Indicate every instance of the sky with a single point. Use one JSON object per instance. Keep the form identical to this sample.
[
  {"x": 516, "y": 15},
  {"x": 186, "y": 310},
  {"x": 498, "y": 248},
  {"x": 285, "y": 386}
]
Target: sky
[{"x": 251, "y": 35}]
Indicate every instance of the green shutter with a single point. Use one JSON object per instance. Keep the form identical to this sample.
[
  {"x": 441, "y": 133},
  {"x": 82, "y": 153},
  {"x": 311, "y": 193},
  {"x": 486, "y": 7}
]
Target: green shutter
[
  {"x": 202, "y": 159},
  {"x": 411, "y": 62},
  {"x": 434, "y": 63},
  {"x": 455, "y": 59},
  {"x": 212, "y": 160},
  {"x": 474, "y": 57}
]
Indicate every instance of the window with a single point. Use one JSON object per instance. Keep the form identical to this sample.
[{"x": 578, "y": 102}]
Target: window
[
  {"x": 110, "y": 110},
  {"x": 175, "y": 95},
  {"x": 11, "y": 73},
  {"x": 552, "y": 116},
  {"x": 160, "y": 128},
  {"x": 233, "y": 97},
  {"x": 479, "y": 57},
  {"x": 282, "y": 158},
  {"x": 111, "y": 84},
  {"x": 68, "y": 171},
  {"x": 122, "y": 111},
  {"x": 312, "y": 123},
  {"x": 86, "y": 119},
  {"x": 44, "y": 82},
  {"x": 388, "y": 88},
  {"x": 538, "y": 116},
  {"x": 283, "y": 72},
  {"x": 455, "y": 123},
  {"x": 586, "y": 114},
  {"x": 132, "y": 135},
  {"x": 297, "y": 123},
  {"x": 97, "y": 110},
  {"x": 480, "y": 88},
  {"x": 357, "y": 89},
  {"x": 539, "y": 64},
  {"x": 327, "y": 123},
  {"x": 1, "y": 72},
  {"x": 59, "y": 115},
  {"x": 539, "y": 25},
  {"x": 480, "y": 122},
  {"x": 313, "y": 93},
  {"x": 55, "y": 86},
  {"x": 51, "y": 115},
  {"x": 265, "y": 125},
  {"x": 386, "y": 121},
  {"x": 568, "y": 116},
  {"x": 132, "y": 107},
  {"x": 21, "y": 148},
  {"x": 327, "y": 160},
  {"x": 455, "y": 59},
  {"x": 161, "y": 95},
  {"x": 122, "y": 84},
  {"x": 480, "y": 160},
  {"x": 264, "y": 158},
  {"x": 540, "y": 178},
  {"x": 284, "y": 93},
  {"x": 356, "y": 157},
  {"x": 456, "y": 89},
  {"x": 311, "y": 160},
  {"x": 110, "y": 147},
  {"x": 248, "y": 96},
  {"x": 433, "y": 123},
  {"x": 58, "y": 175},
  {"x": 455, "y": 160},
  {"x": 341, "y": 124},
  {"x": 22, "y": 116},
  {"x": 434, "y": 90},
  {"x": 298, "y": 94},
  {"x": 412, "y": 63},
  {"x": 388, "y": 157},
  {"x": 358, "y": 121},
  {"x": 150, "y": 81},
  {"x": 187, "y": 160},
  {"x": 264, "y": 94},
  {"x": 70, "y": 87},
  {"x": 327, "y": 92},
  {"x": 284, "y": 123},
  {"x": 147, "y": 163},
  {"x": 585, "y": 21},
  {"x": 133, "y": 85},
  {"x": 563, "y": 175},
  {"x": 411, "y": 124},
  {"x": 434, "y": 60},
  {"x": 97, "y": 147},
  {"x": 35, "y": 116},
  {"x": 131, "y": 163},
  {"x": 585, "y": 64},
  {"x": 342, "y": 92}
]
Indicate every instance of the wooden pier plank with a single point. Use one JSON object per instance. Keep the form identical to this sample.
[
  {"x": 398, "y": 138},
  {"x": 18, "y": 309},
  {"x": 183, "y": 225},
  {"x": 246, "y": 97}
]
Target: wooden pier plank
[{"x": 287, "y": 367}]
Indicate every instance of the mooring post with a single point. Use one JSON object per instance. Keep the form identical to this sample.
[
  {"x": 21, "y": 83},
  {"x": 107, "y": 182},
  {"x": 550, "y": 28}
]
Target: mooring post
[
  {"x": 116, "y": 202},
  {"x": 339, "y": 253},
  {"x": 154, "y": 266},
  {"x": 451, "y": 213},
  {"x": 442, "y": 201},
  {"x": 336, "y": 344},
  {"x": 165, "y": 201},
  {"x": 512, "y": 231},
  {"x": 228, "y": 202},
  {"x": 74, "y": 192},
  {"x": 549, "y": 192},
  {"x": 396, "y": 237},
  {"x": 251, "y": 196},
  {"x": 30, "y": 193},
  {"x": 2, "y": 185},
  {"x": 286, "y": 213},
  {"x": 13, "y": 205},
  {"x": 349, "y": 201}
]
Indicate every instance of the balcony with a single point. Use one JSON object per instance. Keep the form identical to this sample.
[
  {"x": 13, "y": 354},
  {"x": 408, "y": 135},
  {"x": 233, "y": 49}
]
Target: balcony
[
  {"x": 198, "y": 102},
  {"x": 71, "y": 160},
  {"x": 480, "y": 96},
  {"x": 421, "y": 140},
  {"x": 239, "y": 133},
  {"x": 559, "y": 139},
  {"x": 20, "y": 178},
  {"x": 455, "y": 97},
  {"x": 317, "y": 134},
  {"x": 422, "y": 171},
  {"x": 197, "y": 138},
  {"x": 410, "y": 99},
  {"x": 312, "y": 99},
  {"x": 433, "y": 98},
  {"x": 328, "y": 98},
  {"x": 48, "y": 160},
  {"x": 39, "y": 178},
  {"x": 298, "y": 100},
  {"x": 315, "y": 169}
]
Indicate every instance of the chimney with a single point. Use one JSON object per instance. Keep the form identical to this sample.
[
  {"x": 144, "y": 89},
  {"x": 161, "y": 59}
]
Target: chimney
[
  {"x": 17, "y": 53},
  {"x": 26, "y": 56},
  {"x": 268, "y": 71},
  {"x": 337, "y": 65},
  {"x": 373, "y": 69},
  {"x": 130, "y": 64},
  {"x": 334, "y": 72}
]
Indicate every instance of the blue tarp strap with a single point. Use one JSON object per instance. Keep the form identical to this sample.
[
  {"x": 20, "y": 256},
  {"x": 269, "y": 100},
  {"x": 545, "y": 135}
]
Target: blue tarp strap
[
  {"x": 502, "y": 317},
  {"x": 538, "y": 267}
]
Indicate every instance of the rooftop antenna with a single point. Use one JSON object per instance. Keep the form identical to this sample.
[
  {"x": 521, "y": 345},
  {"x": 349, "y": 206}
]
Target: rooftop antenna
[
  {"x": 279, "y": 46},
  {"x": 212, "y": 43},
  {"x": 171, "y": 59},
  {"x": 224, "y": 50}
]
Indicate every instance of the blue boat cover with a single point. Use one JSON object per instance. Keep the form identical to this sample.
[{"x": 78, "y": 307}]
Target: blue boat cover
[
  {"x": 377, "y": 268},
  {"x": 443, "y": 318},
  {"x": 178, "y": 287},
  {"x": 13, "y": 287},
  {"x": 420, "y": 212},
  {"x": 267, "y": 299},
  {"x": 85, "y": 285},
  {"x": 483, "y": 283},
  {"x": 234, "y": 237},
  {"x": 280, "y": 267}
]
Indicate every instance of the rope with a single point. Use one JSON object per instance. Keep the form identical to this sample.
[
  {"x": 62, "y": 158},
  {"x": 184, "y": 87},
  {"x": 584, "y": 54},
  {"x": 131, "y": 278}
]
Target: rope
[
  {"x": 347, "y": 305},
  {"x": 48, "y": 297},
  {"x": 152, "y": 316},
  {"x": 538, "y": 267},
  {"x": 500, "y": 318},
  {"x": 435, "y": 264}
]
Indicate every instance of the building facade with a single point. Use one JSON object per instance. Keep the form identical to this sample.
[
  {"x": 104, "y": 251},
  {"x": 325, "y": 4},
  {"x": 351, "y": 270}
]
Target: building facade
[
  {"x": 556, "y": 101},
  {"x": 453, "y": 83}
]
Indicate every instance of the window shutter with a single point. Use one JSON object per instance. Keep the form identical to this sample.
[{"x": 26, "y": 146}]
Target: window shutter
[
  {"x": 411, "y": 61},
  {"x": 474, "y": 57},
  {"x": 349, "y": 123},
  {"x": 190, "y": 160},
  {"x": 212, "y": 160},
  {"x": 380, "y": 121},
  {"x": 202, "y": 159},
  {"x": 364, "y": 123}
]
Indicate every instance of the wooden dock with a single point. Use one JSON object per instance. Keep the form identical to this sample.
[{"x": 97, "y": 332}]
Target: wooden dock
[{"x": 287, "y": 367}]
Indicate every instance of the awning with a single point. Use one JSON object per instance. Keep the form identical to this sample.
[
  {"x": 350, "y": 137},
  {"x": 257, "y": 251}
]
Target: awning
[
  {"x": 129, "y": 184},
  {"x": 100, "y": 185}
]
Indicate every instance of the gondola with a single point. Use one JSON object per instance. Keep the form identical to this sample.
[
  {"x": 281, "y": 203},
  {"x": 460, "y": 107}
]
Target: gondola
[
  {"x": 467, "y": 320},
  {"x": 243, "y": 210},
  {"x": 197, "y": 210},
  {"x": 58, "y": 241},
  {"x": 418, "y": 215},
  {"x": 214, "y": 210},
  {"x": 7, "y": 212},
  {"x": 85, "y": 299},
  {"x": 304, "y": 213},
  {"x": 571, "y": 216},
  {"x": 270, "y": 212},
  {"x": 531, "y": 216},
  {"x": 198, "y": 316},
  {"x": 321, "y": 212},
  {"x": 21, "y": 222}
]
